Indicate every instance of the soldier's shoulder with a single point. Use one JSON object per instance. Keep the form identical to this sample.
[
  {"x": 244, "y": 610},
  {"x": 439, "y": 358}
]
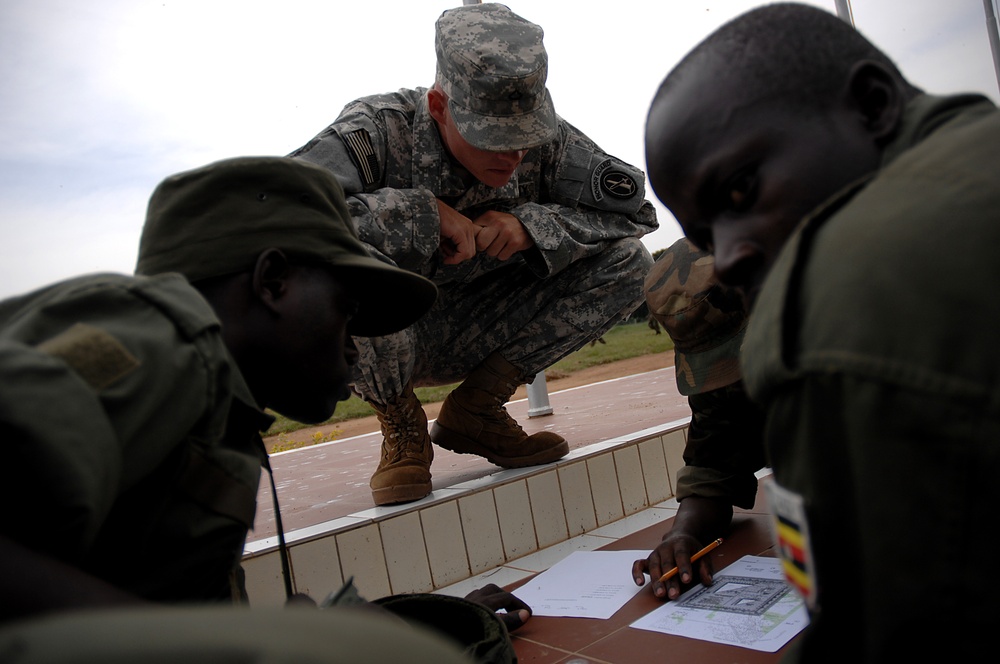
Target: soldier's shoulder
[{"x": 403, "y": 101}]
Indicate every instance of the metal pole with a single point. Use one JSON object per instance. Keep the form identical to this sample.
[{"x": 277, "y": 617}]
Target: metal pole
[
  {"x": 991, "y": 28},
  {"x": 844, "y": 11},
  {"x": 538, "y": 396},
  {"x": 538, "y": 391}
]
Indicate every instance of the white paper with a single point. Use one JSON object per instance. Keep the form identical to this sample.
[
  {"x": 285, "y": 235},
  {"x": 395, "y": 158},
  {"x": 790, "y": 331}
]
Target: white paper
[
  {"x": 584, "y": 584},
  {"x": 749, "y": 605}
]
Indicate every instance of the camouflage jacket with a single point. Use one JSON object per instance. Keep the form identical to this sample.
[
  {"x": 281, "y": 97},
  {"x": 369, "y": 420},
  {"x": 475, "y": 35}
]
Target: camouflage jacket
[
  {"x": 386, "y": 150},
  {"x": 133, "y": 434}
]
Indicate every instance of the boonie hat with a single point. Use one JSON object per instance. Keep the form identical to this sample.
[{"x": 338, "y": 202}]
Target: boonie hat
[
  {"x": 492, "y": 66},
  {"x": 705, "y": 320},
  {"x": 217, "y": 219}
]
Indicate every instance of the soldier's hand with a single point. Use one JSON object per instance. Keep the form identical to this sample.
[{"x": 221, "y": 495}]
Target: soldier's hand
[
  {"x": 458, "y": 235},
  {"x": 675, "y": 550},
  {"x": 494, "y": 597},
  {"x": 501, "y": 235}
]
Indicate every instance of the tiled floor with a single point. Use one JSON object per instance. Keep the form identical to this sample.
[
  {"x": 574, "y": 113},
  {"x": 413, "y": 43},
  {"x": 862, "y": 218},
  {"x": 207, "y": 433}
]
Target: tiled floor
[
  {"x": 626, "y": 436},
  {"x": 329, "y": 481}
]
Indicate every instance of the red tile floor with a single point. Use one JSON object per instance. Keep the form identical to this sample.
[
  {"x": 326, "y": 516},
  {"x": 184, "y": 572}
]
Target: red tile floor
[{"x": 546, "y": 640}]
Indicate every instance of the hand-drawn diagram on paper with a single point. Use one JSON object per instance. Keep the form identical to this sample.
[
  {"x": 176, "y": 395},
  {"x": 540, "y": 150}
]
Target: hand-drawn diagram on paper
[
  {"x": 749, "y": 605},
  {"x": 737, "y": 594}
]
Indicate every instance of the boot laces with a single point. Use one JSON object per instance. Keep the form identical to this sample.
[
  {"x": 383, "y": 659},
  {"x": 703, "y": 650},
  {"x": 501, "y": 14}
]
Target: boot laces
[
  {"x": 500, "y": 406},
  {"x": 404, "y": 431}
]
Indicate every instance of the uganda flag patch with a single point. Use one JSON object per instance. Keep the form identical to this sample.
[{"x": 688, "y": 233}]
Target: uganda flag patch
[{"x": 791, "y": 530}]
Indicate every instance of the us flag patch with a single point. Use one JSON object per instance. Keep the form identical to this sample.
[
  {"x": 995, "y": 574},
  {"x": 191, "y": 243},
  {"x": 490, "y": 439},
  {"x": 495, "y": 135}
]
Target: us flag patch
[
  {"x": 359, "y": 145},
  {"x": 791, "y": 530}
]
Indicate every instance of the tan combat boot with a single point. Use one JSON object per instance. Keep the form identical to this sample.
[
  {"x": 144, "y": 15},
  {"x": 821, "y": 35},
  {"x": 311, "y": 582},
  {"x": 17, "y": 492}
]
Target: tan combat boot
[
  {"x": 473, "y": 420},
  {"x": 404, "y": 470}
]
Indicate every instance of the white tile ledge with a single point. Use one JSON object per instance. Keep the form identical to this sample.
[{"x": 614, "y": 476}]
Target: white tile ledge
[{"x": 454, "y": 492}]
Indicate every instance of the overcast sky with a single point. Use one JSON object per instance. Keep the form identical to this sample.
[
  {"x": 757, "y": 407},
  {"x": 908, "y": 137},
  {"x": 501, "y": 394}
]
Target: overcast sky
[{"x": 102, "y": 99}]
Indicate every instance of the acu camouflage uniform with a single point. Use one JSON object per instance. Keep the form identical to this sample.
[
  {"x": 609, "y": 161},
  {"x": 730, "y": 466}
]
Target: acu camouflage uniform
[
  {"x": 706, "y": 322},
  {"x": 583, "y": 209}
]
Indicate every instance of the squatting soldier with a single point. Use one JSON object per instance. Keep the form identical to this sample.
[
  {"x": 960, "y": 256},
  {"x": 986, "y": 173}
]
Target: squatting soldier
[{"x": 530, "y": 231}]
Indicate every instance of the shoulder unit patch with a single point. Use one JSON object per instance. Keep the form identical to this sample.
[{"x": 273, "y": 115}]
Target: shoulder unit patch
[
  {"x": 615, "y": 183},
  {"x": 98, "y": 357}
]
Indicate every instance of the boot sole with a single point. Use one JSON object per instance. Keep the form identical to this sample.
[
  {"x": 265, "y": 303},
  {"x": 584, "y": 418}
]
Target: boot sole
[
  {"x": 459, "y": 444},
  {"x": 405, "y": 493}
]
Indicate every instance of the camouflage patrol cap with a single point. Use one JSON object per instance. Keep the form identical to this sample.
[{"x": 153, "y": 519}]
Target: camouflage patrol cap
[
  {"x": 217, "y": 220},
  {"x": 492, "y": 66},
  {"x": 705, "y": 320}
]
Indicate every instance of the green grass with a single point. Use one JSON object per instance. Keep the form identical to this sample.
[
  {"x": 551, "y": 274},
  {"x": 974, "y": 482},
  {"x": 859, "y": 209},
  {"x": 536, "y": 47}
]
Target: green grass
[{"x": 622, "y": 342}]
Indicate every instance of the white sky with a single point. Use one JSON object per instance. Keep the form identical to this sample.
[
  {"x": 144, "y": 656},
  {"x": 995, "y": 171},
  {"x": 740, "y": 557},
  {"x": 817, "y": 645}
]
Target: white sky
[{"x": 103, "y": 99}]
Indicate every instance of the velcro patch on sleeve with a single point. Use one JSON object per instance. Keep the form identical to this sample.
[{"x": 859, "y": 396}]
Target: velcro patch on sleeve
[
  {"x": 94, "y": 354},
  {"x": 359, "y": 146},
  {"x": 606, "y": 179}
]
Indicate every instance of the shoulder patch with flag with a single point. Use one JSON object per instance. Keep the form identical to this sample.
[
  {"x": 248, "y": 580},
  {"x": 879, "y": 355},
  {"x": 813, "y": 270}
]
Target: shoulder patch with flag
[
  {"x": 791, "y": 531},
  {"x": 359, "y": 146}
]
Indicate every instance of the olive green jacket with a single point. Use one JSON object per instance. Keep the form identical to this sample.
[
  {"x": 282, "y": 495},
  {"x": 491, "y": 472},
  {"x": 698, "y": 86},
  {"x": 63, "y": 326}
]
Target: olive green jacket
[
  {"x": 132, "y": 436},
  {"x": 875, "y": 349}
]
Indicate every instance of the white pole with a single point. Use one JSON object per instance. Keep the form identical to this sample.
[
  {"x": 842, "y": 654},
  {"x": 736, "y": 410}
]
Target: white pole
[
  {"x": 844, "y": 11},
  {"x": 991, "y": 28},
  {"x": 538, "y": 396}
]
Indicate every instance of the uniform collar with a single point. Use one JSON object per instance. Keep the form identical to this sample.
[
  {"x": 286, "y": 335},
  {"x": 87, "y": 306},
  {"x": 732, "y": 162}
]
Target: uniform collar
[{"x": 925, "y": 114}]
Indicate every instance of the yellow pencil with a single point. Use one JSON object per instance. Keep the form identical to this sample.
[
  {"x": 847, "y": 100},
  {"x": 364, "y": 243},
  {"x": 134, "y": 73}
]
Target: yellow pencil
[{"x": 695, "y": 557}]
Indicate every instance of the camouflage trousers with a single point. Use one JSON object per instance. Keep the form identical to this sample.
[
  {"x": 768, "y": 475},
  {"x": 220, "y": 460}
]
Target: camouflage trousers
[{"x": 486, "y": 306}]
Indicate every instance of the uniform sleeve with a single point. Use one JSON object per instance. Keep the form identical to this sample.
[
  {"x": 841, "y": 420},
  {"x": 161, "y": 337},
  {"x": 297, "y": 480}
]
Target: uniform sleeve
[
  {"x": 725, "y": 447},
  {"x": 591, "y": 199},
  {"x": 96, "y": 391},
  {"x": 401, "y": 223}
]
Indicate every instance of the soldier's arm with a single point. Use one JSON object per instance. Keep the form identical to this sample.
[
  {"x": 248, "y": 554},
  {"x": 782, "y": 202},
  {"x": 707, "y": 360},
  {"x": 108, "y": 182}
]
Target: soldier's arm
[
  {"x": 99, "y": 393},
  {"x": 588, "y": 198},
  {"x": 724, "y": 450},
  {"x": 403, "y": 224}
]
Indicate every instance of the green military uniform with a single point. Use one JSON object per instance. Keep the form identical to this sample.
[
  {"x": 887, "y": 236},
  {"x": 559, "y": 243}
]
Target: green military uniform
[
  {"x": 133, "y": 436},
  {"x": 706, "y": 322},
  {"x": 874, "y": 346}
]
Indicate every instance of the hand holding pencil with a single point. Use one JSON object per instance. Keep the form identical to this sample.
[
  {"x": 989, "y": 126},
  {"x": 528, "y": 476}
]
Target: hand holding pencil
[
  {"x": 673, "y": 549},
  {"x": 671, "y": 573}
]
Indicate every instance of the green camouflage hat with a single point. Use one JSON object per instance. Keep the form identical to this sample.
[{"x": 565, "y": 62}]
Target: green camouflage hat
[
  {"x": 492, "y": 66},
  {"x": 705, "y": 320},
  {"x": 217, "y": 219}
]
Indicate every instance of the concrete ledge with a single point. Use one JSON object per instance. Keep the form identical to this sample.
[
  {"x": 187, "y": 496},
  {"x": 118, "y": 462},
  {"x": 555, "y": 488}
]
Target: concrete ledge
[{"x": 470, "y": 528}]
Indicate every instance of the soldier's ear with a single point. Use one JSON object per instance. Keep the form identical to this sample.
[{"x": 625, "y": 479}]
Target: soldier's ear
[
  {"x": 437, "y": 104},
  {"x": 877, "y": 94},
  {"x": 270, "y": 281}
]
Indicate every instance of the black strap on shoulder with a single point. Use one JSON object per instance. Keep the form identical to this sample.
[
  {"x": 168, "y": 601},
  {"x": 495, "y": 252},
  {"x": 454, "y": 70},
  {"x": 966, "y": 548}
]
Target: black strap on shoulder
[{"x": 286, "y": 561}]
